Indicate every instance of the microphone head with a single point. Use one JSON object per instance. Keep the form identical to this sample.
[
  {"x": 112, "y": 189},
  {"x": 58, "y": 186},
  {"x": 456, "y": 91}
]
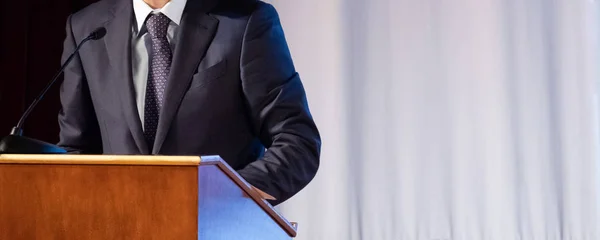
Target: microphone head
[{"x": 98, "y": 33}]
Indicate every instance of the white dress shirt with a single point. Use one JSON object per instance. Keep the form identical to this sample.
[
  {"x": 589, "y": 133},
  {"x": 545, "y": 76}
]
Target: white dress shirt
[{"x": 141, "y": 45}]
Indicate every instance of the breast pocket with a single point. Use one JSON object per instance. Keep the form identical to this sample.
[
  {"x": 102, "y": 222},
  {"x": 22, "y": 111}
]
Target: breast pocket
[{"x": 208, "y": 75}]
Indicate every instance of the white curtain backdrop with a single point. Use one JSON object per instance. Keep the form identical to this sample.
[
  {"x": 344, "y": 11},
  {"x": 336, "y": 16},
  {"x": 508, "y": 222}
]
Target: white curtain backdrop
[{"x": 462, "y": 119}]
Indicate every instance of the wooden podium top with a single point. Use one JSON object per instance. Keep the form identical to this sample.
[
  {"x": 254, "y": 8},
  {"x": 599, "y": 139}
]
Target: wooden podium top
[
  {"x": 146, "y": 160},
  {"x": 101, "y": 159}
]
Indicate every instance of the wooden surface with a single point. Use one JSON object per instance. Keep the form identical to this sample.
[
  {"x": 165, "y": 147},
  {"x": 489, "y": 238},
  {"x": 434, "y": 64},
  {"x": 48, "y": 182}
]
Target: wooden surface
[
  {"x": 131, "y": 197},
  {"x": 98, "y": 202},
  {"x": 99, "y": 159}
]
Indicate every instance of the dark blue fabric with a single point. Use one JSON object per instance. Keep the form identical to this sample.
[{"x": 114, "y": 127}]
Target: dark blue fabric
[
  {"x": 158, "y": 72},
  {"x": 232, "y": 91}
]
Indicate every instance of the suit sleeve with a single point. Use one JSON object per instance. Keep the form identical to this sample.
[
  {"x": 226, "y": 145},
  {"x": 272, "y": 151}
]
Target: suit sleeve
[
  {"x": 79, "y": 131},
  {"x": 278, "y": 108}
]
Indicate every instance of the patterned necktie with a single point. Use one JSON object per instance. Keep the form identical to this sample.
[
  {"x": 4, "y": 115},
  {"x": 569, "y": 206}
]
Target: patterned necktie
[{"x": 160, "y": 66}]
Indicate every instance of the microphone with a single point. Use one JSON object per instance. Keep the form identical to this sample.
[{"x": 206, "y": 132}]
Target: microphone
[{"x": 15, "y": 142}]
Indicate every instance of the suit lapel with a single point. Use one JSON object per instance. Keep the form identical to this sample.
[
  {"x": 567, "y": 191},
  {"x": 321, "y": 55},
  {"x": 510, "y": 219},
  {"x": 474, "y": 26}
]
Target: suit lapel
[
  {"x": 118, "y": 45},
  {"x": 196, "y": 33}
]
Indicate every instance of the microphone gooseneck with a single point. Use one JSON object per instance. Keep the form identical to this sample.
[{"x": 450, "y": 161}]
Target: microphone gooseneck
[{"x": 95, "y": 35}]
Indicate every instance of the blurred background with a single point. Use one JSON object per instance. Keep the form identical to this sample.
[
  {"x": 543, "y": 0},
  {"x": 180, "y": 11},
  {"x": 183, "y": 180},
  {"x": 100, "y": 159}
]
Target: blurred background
[{"x": 462, "y": 119}]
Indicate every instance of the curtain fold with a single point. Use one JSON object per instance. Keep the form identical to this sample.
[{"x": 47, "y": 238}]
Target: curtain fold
[{"x": 449, "y": 119}]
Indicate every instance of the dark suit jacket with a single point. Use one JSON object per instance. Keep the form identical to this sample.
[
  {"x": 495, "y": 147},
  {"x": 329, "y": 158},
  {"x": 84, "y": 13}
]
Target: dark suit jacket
[{"x": 232, "y": 91}]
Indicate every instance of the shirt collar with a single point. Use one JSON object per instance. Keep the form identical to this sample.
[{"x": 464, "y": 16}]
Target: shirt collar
[{"x": 173, "y": 10}]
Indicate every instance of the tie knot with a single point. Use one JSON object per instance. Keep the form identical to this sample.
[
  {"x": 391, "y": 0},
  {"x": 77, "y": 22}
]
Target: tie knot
[{"x": 157, "y": 25}]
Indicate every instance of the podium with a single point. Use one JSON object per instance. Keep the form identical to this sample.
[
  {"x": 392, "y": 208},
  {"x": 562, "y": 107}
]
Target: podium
[{"x": 131, "y": 197}]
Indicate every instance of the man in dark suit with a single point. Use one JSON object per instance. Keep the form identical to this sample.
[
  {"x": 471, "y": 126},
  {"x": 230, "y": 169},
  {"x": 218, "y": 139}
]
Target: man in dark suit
[{"x": 195, "y": 77}]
